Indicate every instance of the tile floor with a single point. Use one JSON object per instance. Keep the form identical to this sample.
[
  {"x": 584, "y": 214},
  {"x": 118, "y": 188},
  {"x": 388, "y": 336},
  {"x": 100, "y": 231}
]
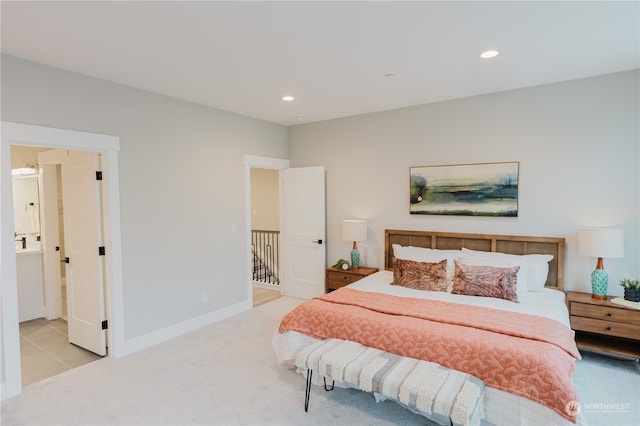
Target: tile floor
[{"x": 46, "y": 351}]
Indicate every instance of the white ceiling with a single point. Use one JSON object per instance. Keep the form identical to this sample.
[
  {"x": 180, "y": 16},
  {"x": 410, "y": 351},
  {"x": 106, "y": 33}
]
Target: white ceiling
[{"x": 332, "y": 56}]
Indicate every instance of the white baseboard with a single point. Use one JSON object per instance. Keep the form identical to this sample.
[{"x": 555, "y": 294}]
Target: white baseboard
[{"x": 139, "y": 343}]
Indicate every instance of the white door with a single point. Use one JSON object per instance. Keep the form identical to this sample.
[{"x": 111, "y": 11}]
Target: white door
[
  {"x": 81, "y": 196},
  {"x": 304, "y": 245}
]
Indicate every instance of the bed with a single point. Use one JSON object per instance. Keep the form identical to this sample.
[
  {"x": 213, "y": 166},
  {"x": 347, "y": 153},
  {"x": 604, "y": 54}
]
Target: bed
[{"x": 494, "y": 307}]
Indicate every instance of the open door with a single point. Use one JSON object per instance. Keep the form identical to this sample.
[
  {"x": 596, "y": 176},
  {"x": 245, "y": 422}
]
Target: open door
[
  {"x": 81, "y": 199},
  {"x": 304, "y": 230}
]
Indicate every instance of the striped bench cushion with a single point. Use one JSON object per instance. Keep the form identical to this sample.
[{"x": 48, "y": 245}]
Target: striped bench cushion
[{"x": 441, "y": 394}]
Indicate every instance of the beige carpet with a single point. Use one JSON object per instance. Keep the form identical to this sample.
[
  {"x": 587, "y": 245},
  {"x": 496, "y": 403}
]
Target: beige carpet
[
  {"x": 227, "y": 374},
  {"x": 222, "y": 374}
]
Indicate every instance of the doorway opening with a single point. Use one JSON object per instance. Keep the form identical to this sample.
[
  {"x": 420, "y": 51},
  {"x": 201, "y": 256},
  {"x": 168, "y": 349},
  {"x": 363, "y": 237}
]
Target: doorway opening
[
  {"x": 265, "y": 235},
  {"x": 303, "y": 221},
  {"x": 263, "y": 184},
  {"x": 49, "y": 343},
  {"x": 51, "y": 138}
]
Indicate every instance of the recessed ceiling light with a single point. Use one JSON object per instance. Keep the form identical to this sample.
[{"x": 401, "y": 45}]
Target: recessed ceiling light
[
  {"x": 288, "y": 98},
  {"x": 489, "y": 54}
]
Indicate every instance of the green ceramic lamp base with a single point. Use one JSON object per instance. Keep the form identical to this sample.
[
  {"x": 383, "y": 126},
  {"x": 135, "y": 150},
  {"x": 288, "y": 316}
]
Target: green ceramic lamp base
[
  {"x": 355, "y": 258},
  {"x": 599, "y": 283}
]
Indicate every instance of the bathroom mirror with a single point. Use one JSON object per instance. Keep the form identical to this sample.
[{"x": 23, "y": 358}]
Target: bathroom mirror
[
  {"x": 26, "y": 187},
  {"x": 26, "y": 210}
]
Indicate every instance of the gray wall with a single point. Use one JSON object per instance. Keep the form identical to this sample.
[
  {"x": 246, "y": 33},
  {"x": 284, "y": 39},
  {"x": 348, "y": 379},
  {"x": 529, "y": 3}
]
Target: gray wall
[
  {"x": 577, "y": 143},
  {"x": 182, "y": 174},
  {"x": 182, "y": 185}
]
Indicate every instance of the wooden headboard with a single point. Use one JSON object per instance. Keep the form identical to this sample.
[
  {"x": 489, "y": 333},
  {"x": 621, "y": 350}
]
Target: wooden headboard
[{"x": 486, "y": 242}]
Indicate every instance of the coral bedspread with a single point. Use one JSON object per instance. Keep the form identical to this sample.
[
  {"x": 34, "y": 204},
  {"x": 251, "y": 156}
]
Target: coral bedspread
[{"x": 523, "y": 354}]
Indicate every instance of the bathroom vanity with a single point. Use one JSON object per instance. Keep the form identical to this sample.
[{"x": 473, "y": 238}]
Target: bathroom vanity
[
  {"x": 29, "y": 268},
  {"x": 30, "y": 282}
]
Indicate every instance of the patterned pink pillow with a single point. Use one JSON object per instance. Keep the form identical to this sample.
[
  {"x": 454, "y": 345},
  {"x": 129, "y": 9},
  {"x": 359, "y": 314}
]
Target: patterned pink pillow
[
  {"x": 489, "y": 281},
  {"x": 420, "y": 275}
]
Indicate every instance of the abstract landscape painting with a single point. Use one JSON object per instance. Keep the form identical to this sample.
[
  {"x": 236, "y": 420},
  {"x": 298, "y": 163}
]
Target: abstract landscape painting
[{"x": 489, "y": 189}]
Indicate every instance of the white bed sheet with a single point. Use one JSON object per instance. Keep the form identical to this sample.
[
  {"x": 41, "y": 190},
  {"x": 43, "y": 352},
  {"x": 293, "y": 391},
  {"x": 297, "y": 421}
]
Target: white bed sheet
[
  {"x": 501, "y": 408},
  {"x": 548, "y": 303}
]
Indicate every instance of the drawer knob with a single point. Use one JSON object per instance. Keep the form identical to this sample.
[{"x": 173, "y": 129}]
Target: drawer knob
[
  {"x": 608, "y": 314},
  {"x": 608, "y": 328}
]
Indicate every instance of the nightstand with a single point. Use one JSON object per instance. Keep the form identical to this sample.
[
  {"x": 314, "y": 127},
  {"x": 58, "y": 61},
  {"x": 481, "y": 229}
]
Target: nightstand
[
  {"x": 337, "y": 278},
  {"x": 604, "y": 326}
]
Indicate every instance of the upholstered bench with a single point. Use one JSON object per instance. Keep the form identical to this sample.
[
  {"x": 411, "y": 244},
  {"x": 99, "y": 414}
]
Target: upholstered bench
[{"x": 441, "y": 394}]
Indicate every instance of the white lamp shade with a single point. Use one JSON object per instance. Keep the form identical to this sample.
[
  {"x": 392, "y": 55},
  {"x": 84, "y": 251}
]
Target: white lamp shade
[
  {"x": 600, "y": 242},
  {"x": 354, "y": 230}
]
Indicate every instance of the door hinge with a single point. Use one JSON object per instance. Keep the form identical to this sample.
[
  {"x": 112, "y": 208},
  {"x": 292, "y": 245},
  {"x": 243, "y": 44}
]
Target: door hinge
[
  {"x": 105, "y": 325},
  {"x": 98, "y": 175},
  {"x": 101, "y": 251}
]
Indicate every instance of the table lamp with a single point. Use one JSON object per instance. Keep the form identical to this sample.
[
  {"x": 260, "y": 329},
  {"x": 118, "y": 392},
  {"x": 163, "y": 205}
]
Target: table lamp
[
  {"x": 600, "y": 242},
  {"x": 354, "y": 230}
]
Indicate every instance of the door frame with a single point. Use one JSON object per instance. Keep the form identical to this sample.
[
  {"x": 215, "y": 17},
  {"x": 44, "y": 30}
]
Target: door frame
[
  {"x": 49, "y": 210},
  {"x": 108, "y": 146},
  {"x": 258, "y": 162}
]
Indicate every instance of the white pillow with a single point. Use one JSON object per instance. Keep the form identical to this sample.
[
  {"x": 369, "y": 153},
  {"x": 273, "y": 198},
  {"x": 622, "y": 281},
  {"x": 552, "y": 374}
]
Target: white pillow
[
  {"x": 535, "y": 265},
  {"x": 539, "y": 270},
  {"x": 422, "y": 254}
]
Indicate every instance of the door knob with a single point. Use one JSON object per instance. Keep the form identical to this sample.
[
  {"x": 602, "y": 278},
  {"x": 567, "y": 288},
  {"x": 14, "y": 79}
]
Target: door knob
[{"x": 317, "y": 241}]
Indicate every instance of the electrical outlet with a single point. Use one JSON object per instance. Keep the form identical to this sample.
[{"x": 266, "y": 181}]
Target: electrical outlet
[{"x": 205, "y": 297}]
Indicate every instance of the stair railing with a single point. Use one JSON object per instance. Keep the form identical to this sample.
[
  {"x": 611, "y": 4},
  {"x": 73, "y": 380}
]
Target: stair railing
[{"x": 265, "y": 248}]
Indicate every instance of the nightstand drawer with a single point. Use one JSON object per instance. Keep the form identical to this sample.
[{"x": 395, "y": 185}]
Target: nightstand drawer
[
  {"x": 606, "y": 313},
  {"x": 343, "y": 277},
  {"x": 337, "y": 278},
  {"x": 334, "y": 285},
  {"x": 610, "y": 328}
]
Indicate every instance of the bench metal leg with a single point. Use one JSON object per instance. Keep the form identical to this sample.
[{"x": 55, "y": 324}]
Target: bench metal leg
[
  {"x": 333, "y": 384},
  {"x": 308, "y": 392},
  {"x": 308, "y": 389}
]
